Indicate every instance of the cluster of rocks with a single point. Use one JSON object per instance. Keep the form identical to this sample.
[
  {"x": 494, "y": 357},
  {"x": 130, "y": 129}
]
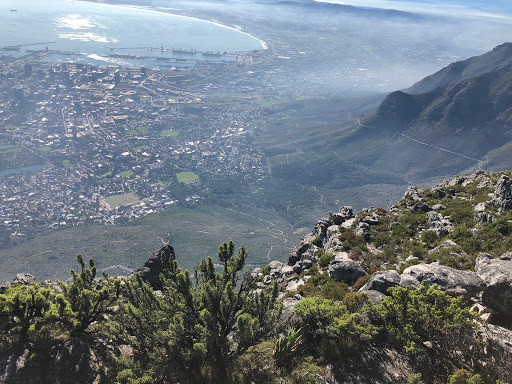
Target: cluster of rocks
[{"x": 488, "y": 289}]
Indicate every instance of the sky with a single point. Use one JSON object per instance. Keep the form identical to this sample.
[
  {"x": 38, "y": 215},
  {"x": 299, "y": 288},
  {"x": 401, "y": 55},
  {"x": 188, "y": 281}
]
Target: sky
[{"x": 493, "y": 9}]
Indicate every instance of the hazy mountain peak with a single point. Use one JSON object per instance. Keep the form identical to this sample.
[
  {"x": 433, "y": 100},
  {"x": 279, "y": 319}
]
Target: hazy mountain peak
[{"x": 460, "y": 70}]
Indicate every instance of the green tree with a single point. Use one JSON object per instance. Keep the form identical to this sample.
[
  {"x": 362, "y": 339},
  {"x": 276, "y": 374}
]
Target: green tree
[{"x": 201, "y": 328}]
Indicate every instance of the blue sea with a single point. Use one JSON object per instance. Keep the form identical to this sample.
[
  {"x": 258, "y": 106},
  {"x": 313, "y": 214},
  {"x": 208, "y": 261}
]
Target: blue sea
[{"x": 109, "y": 34}]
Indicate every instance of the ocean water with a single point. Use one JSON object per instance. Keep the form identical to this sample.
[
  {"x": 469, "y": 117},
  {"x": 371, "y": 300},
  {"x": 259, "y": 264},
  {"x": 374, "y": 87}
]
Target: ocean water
[{"x": 98, "y": 31}]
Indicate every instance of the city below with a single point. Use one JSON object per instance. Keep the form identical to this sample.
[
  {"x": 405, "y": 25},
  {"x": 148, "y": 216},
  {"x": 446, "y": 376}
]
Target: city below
[{"x": 87, "y": 144}]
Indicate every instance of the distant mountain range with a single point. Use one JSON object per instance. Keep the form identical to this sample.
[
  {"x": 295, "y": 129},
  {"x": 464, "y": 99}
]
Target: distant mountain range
[{"x": 453, "y": 121}]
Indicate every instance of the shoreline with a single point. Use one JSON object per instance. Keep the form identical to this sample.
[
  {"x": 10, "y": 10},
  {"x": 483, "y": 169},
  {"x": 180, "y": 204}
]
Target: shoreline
[{"x": 264, "y": 45}]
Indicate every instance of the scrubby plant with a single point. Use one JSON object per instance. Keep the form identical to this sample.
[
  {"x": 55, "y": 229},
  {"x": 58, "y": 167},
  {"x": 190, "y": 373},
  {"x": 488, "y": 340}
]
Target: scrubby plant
[
  {"x": 324, "y": 258},
  {"x": 411, "y": 317},
  {"x": 284, "y": 350}
]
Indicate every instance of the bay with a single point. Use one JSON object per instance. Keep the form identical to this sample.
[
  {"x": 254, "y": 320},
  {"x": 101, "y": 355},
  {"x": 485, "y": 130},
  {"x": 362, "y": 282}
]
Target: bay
[{"x": 113, "y": 34}]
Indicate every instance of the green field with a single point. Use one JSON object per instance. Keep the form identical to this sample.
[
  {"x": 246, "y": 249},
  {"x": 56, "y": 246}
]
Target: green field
[
  {"x": 115, "y": 201},
  {"x": 143, "y": 130},
  {"x": 194, "y": 233},
  {"x": 169, "y": 133},
  {"x": 45, "y": 149},
  {"x": 186, "y": 177},
  {"x": 66, "y": 163},
  {"x": 140, "y": 148},
  {"x": 132, "y": 132},
  {"x": 12, "y": 126},
  {"x": 126, "y": 174}
]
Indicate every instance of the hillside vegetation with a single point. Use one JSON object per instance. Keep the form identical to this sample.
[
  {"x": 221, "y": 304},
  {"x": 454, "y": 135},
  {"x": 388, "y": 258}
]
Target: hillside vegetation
[{"x": 419, "y": 293}]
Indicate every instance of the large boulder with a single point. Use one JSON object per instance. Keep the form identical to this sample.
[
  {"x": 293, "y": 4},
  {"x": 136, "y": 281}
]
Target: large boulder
[
  {"x": 503, "y": 193},
  {"x": 321, "y": 227},
  {"x": 153, "y": 267},
  {"x": 453, "y": 281},
  {"x": 346, "y": 270},
  {"x": 381, "y": 281},
  {"x": 344, "y": 213},
  {"x": 437, "y": 223},
  {"x": 497, "y": 275},
  {"x": 24, "y": 278},
  {"x": 278, "y": 269}
]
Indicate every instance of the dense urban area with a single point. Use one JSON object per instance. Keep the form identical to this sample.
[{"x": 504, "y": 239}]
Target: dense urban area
[{"x": 110, "y": 144}]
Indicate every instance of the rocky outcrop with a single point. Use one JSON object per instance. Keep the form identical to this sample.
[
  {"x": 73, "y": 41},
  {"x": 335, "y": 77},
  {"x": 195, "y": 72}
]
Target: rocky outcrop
[
  {"x": 437, "y": 223},
  {"x": 453, "y": 281},
  {"x": 381, "y": 281},
  {"x": 503, "y": 193},
  {"x": 345, "y": 213},
  {"x": 497, "y": 275},
  {"x": 345, "y": 270},
  {"x": 153, "y": 267},
  {"x": 24, "y": 278}
]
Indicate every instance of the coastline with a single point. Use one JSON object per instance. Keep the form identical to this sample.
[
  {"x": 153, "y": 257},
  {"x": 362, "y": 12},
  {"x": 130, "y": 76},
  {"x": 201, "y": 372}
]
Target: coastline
[{"x": 264, "y": 45}]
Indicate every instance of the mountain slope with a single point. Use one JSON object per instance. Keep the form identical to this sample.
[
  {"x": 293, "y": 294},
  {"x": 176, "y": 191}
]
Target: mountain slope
[
  {"x": 461, "y": 70},
  {"x": 415, "y": 137}
]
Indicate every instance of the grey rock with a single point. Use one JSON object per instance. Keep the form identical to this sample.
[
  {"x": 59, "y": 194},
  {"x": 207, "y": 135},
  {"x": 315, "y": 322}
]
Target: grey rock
[
  {"x": 446, "y": 244},
  {"x": 381, "y": 281},
  {"x": 458, "y": 180},
  {"x": 434, "y": 216},
  {"x": 438, "y": 207},
  {"x": 24, "y": 278},
  {"x": 333, "y": 244},
  {"x": 302, "y": 265},
  {"x": 370, "y": 220},
  {"x": 439, "y": 190},
  {"x": 497, "y": 275},
  {"x": 480, "y": 207},
  {"x": 363, "y": 229},
  {"x": 289, "y": 305},
  {"x": 484, "y": 184},
  {"x": 292, "y": 285},
  {"x": 346, "y": 270},
  {"x": 311, "y": 254},
  {"x": 503, "y": 193},
  {"x": 255, "y": 272},
  {"x": 421, "y": 207},
  {"x": 438, "y": 224},
  {"x": 297, "y": 267},
  {"x": 483, "y": 217},
  {"x": 321, "y": 227},
  {"x": 375, "y": 296},
  {"x": 153, "y": 267},
  {"x": 333, "y": 230},
  {"x": 345, "y": 213},
  {"x": 413, "y": 193},
  {"x": 293, "y": 258},
  {"x": 453, "y": 281}
]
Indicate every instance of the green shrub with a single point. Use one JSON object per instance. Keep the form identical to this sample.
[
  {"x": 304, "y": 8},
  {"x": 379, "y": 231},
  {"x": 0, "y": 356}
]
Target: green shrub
[
  {"x": 333, "y": 289},
  {"x": 430, "y": 238},
  {"x": 411, "y": 317},
  {"x": 464, "y": 377},
  {"x": 413, "y": 218},
  {"x": 460, "y": 212},
  {"x": 332, "y": 330},
  {"x": 382, "y": 238},
  {"x": 414, "y": 378},
  {"x": 465, "y": 239},
  {"x": 317, "y": 241},
  {"x": 350, "y": 240},
  {"x": 324, "y": 259}
]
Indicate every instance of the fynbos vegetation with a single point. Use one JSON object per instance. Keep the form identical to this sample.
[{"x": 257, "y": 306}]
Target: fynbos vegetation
[{"x": 405, "y": 295}]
